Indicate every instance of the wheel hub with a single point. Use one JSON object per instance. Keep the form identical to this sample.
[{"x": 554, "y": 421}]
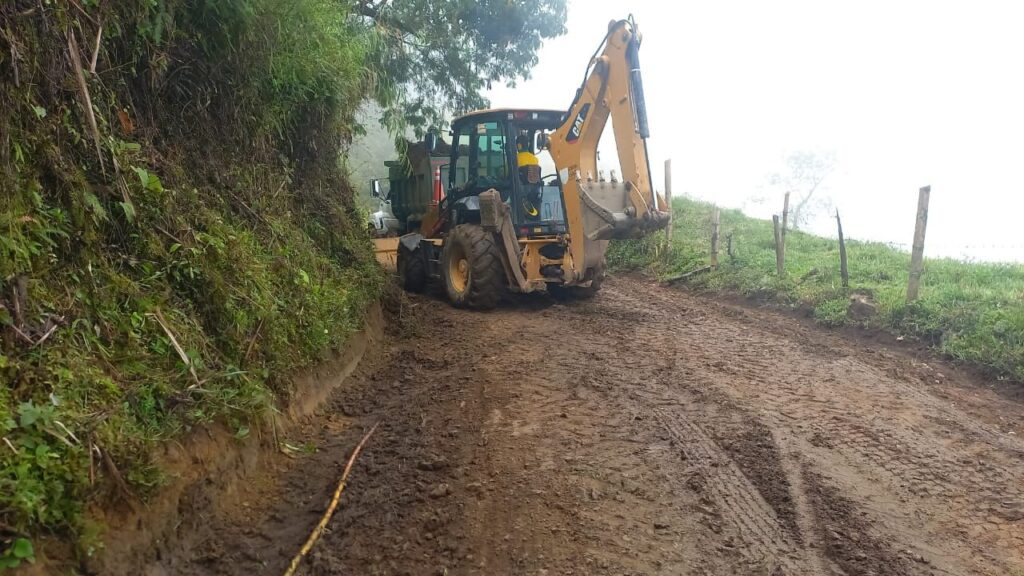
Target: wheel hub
[{"x": 459, "y": 272}]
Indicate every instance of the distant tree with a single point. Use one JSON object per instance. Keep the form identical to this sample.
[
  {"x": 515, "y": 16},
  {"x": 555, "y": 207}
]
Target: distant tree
[
  {"x": 803, "y": 176},
  {"x": 436, "y": 56}
]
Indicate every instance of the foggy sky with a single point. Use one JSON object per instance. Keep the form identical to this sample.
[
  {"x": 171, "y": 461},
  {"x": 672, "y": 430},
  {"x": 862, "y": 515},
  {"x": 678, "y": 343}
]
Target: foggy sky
[{"x": 905, "y": 94}]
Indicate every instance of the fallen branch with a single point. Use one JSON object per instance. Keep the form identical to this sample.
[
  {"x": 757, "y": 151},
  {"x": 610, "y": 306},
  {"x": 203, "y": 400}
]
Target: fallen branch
[
  {"x": 23, "y": 336},
  {"x": 122, "y": 486},
  {"x": 67, "y": 431},
  {"x": 252, "y": 342},
  {"x": 273, "y": 427},
  {"x": 96, "y": 48},
  {"x": 83, "y": 90},
  {"x": 252, "y": 212},
  {"x": 319, "y": 530},
  {"x": 177, "y": 347},
  {"x": 681, "y": 277},
  {"x": 92, "y": 467},
  {"x": 122, "y": 185},
  {"x": 59, "y": 437},
  {"x": 169, "y": 235},
  {"x": 83, "y": 12},
  {"x": 279, "y": 188},
  {"x": 49, "y": 332},
  {"x": 14, "y": 56},
  {"x": 19, "y": 299}
]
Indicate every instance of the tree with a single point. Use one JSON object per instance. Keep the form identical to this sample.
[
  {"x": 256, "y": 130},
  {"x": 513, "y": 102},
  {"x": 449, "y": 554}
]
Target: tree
[
  {"x": 803, "y": 177},
  {"x": 436, "y": 56}
]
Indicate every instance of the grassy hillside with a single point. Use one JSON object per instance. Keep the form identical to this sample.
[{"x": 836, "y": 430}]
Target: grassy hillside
[
  {"x": 176, "y": 236},
  {"x": 970, "y": 312}
]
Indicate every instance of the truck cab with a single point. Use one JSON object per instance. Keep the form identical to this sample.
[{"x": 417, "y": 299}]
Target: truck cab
[{"x": 383, "y": 222}]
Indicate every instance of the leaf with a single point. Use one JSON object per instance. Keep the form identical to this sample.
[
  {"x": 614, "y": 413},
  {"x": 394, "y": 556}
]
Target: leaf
[
  {"x": 40, "y": 111},
  {"x": 95, "y": 205},
  {"x": 23, "y": 549},
  {"x": 289, "y": 448},
  {"x": 127, "y": 126},
  {"x": 28, "y": 413},
  {"x": 129, "y": 210},
  {"x": 143, "y": 176}
]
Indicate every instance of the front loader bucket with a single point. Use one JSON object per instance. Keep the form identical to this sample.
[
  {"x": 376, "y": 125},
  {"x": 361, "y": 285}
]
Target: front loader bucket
[{"x": 610, "y": 211}]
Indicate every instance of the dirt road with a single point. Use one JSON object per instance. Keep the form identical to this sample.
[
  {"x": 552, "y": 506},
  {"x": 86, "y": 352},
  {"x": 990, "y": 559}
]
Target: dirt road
[{"x": 647, "y": 431}]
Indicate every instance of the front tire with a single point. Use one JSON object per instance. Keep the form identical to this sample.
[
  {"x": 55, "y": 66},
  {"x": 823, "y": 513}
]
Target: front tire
[
  {"x": 412, "y": 270},
  {"x": 471, "y": 264}
]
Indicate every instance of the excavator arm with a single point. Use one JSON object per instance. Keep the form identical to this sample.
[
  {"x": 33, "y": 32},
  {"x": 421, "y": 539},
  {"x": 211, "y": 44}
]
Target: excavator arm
[{"x": 599, "y": 210}]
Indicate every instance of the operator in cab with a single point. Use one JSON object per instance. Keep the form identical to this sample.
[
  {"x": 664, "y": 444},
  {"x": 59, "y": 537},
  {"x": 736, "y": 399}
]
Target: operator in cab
[{"x": 529, "y": 175}]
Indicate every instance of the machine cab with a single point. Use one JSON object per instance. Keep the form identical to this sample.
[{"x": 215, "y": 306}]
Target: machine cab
[{"x": 506, "y": 150}]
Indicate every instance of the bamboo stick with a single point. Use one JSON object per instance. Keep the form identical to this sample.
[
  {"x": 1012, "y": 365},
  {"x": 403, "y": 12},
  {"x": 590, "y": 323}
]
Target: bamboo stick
[{"x": 319, "y": 529}]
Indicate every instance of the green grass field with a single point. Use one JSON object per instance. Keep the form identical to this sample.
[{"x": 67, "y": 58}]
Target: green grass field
[{"x": 969, "y": 312}]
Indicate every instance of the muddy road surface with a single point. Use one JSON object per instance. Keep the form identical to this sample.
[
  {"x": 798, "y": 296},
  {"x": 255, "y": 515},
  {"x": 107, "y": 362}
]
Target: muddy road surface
[{"x": 647, "y": 431}]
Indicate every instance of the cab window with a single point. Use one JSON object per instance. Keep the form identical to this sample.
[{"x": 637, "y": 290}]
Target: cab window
[
  {"x": 481, "y": 160},
  {"x": 458, "y": 178},
  {"x": 490, "y": 150}
]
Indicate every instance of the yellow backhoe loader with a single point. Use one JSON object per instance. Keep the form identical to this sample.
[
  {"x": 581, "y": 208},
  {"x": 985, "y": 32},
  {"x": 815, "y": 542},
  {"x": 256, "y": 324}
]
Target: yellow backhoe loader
[{"x": 504, "y": 226}]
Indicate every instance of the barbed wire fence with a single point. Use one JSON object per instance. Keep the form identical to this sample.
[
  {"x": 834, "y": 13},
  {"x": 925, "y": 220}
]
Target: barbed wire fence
[{"x": 995, "y": 253}]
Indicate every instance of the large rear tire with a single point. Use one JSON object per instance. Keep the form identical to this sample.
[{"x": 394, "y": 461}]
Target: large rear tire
[
  {"x": 412, "y": 270},
  {"x": 474, "y": 276}
]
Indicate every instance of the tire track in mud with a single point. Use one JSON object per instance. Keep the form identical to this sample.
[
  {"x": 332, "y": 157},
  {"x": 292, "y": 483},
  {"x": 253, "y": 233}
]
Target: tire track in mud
[
  {"x": 880, "y": 427},
  {"x": 807, "y": 520},
  {"x": 901, "y": 452},
  {"x": 587, "y": 419},
  {"x": 648, "y": 431},
  {"x": 768, "y": 541}
]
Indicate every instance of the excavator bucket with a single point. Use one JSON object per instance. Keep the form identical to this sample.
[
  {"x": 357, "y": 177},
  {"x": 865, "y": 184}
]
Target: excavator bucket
[{"x": 616, "y": 210}]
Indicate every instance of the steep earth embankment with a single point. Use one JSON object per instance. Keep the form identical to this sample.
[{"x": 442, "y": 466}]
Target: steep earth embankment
[{"x": 177, "y": 240}]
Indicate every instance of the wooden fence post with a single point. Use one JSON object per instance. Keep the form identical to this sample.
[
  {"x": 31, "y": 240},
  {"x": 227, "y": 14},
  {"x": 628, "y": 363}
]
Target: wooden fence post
[
  {"x": 668, "y": 200},
  {"x": 917, "y": 254},
  {"x": 844, "y": 272},
  {"x": 728, "y": 247},
  {"x": 779, "y": 258},
  {"x": 785, "y": 216},
  {"x": 715, "y": 220},
  {"x": 785, "y": 225}
]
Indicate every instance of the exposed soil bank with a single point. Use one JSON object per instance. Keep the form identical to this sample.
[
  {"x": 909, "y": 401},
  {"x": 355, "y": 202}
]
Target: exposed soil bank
[{"x": 212, "y": 467}]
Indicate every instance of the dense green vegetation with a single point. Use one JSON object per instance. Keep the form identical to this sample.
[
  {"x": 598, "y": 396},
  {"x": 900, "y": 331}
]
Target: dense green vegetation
[
  {"x": 176, "y": 234},
  {"x": 970, "y": 312},
  {"x": 436, "y": 56},
  {"x": 174, "y": 265}
]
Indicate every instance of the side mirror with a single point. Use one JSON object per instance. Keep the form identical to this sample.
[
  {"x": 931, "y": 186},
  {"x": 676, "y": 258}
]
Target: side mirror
[
  {"x": 375, "y": 188},
  {"x": 543, "y": 141},
  {"x": 431, "y": 141}
]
